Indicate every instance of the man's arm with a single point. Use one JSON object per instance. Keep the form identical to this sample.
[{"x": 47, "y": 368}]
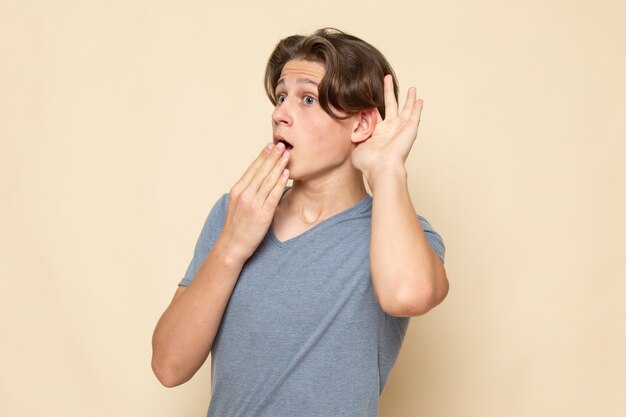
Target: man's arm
[
  {"x": 185, "y": 333},
  {"x": 407, "y": 275}
]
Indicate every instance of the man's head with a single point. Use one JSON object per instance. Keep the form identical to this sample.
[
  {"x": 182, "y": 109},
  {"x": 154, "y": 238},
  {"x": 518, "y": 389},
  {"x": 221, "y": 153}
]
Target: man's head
[{"x": 354, "y": 70}]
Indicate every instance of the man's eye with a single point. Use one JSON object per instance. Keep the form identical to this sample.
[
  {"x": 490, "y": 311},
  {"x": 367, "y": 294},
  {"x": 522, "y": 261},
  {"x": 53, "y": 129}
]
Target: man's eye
[
  {"x": 309, "y": 100},
  {"x": 280, "y": 98}
]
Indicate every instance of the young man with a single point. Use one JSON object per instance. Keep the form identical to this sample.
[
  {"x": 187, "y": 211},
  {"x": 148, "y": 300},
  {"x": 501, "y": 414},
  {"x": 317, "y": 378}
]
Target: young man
[{"x": 303, "y": 295}]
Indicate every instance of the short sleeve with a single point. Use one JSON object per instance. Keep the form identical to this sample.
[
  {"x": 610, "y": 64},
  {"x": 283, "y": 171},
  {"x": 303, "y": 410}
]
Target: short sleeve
[
  {"x": 209, "y": 234},
  {"x": 434, "y": 239}
]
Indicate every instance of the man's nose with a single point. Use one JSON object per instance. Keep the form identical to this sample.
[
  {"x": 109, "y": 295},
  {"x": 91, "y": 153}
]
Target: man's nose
[{"x": 282, "y": 113}]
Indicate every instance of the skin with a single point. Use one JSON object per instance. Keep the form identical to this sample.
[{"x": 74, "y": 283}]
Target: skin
[{"x": 328, "y": 162}]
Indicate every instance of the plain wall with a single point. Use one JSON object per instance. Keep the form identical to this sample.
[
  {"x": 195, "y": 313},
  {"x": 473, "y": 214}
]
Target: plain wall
[{"x": 121, "y": 123}]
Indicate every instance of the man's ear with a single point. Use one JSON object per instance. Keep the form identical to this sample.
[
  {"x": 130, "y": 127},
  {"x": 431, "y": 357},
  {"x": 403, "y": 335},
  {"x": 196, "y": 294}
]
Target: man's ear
[{"x": 364, "y": 125}]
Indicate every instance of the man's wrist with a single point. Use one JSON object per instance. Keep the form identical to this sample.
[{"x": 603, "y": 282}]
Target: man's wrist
[
  {"x": 228, "y": 253},
  {"x": 386, "y": 173}
]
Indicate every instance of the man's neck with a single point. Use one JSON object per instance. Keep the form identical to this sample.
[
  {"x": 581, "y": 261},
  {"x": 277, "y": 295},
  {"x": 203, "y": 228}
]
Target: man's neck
[{"x": 314, "y": 201}]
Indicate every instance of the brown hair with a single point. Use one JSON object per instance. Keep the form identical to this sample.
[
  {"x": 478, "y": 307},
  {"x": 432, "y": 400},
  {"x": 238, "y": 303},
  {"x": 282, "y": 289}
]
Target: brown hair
[{"x": 353, "y": 80}]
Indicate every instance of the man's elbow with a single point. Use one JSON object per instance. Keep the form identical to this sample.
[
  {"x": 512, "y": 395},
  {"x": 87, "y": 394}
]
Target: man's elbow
[
  {"x": 167, "y": 374},
  {"x": 413, "y": 303}
]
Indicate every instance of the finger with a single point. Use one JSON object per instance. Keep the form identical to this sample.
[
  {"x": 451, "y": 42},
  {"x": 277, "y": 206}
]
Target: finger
[
  {"x": 270, "y": 180},
  {"x": 265, "y": 168},
  {"x": 409, "y": 104},
  {"x": 391, "y": 105},
  {"x": 379, "y": 118},
  {"x": 254, "y": 166},
  {"x": 277, "y": 192},
  {"x": 416, "y": 114}
]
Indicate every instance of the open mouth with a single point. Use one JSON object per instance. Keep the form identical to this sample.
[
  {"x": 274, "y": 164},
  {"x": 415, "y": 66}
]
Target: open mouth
[{"x": 284, "y": 142}]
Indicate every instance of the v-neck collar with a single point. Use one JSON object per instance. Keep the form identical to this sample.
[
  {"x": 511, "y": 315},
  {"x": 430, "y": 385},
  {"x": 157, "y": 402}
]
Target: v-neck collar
[{"x": 335, "y": 218}]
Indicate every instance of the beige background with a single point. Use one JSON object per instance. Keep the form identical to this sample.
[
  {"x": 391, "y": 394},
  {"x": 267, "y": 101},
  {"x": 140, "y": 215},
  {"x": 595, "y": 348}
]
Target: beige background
[{"x": 121, "y": 122}]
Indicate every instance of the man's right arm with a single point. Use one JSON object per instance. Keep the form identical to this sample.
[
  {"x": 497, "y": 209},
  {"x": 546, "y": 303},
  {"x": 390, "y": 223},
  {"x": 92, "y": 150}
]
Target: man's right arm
[{"x": 185, "y": 333}]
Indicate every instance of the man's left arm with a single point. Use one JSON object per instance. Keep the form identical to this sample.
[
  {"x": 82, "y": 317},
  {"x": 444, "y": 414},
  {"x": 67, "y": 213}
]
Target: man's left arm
[{"x": 408, "y": 277}]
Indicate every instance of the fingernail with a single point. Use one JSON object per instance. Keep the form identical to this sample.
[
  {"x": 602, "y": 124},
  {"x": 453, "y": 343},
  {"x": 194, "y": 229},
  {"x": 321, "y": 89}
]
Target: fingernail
[
  {"x": 285, "y": 155},
  {"x": 269, "y": 146},
  {"x": 280, "y": 146}
]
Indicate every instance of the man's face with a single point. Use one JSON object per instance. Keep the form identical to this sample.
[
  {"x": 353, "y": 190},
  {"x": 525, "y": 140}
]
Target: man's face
[{"x": 320, "y": 144}]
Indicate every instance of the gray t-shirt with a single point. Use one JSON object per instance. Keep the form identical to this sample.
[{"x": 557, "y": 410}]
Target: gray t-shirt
[{"x": 302, "y": 334}]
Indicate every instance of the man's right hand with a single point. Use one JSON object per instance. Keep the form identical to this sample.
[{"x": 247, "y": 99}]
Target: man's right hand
[
  {"x": 253, "y": 201},
  {"x": 185, "y": 333}
]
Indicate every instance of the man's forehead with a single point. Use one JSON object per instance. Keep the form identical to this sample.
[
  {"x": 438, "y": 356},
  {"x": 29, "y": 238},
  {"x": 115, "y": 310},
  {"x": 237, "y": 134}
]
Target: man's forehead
[{"x": 302, "y": 72}]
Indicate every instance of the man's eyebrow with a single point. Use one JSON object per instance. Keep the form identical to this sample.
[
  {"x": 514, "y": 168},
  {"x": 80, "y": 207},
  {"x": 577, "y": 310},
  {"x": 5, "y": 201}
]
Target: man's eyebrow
[{"x": 299, "y": 81}]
